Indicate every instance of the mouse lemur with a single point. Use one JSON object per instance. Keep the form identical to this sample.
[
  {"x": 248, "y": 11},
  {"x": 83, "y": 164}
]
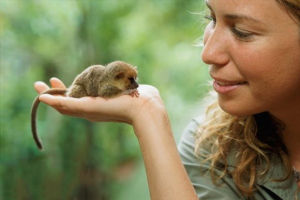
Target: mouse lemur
[{"x": 115, "y": 79}]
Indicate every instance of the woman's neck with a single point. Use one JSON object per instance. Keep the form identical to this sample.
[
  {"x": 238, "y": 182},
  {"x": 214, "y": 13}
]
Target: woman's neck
[
  {"x": 291, "y": 139},
  {"x": 291, "y": 135}
]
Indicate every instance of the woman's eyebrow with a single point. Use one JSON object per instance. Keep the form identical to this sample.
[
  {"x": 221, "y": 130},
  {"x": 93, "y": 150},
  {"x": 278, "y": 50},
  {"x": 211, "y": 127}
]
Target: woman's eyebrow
[{"x": 237, "y": 17}]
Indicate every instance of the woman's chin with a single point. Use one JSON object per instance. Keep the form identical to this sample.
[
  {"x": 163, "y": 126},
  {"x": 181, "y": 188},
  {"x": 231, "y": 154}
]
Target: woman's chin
[{"x": 237, "y": 109}]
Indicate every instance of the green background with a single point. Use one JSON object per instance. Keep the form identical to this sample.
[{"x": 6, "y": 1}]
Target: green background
[{"x": 46, "y": 38}]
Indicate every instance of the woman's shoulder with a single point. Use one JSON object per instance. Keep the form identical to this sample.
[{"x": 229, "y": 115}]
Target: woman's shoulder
[
  {"x": 199, "y": 170},
  {"x": 186, "y": 145},
  {"x": 187, "y": 140}
]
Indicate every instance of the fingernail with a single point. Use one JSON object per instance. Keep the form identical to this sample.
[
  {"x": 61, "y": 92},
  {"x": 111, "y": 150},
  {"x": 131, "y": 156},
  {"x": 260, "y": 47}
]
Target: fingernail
[
  {"x": 52, "y": 78},
  {"x": 38, "y": 82}
]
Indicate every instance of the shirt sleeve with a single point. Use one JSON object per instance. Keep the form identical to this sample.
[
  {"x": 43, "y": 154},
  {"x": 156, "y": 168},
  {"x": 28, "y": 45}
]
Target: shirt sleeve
[{"x": 199, "y": 173}]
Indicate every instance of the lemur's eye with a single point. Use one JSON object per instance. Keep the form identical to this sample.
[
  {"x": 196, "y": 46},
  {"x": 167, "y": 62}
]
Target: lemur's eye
[
  {"x": 119, "y": 76},
  {"x": 131, "y": 79}
]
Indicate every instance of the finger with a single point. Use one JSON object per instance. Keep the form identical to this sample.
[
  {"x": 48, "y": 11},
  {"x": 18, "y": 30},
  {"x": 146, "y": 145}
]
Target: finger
[
  {"x": 74, "y": 106},
  {"x": 40, "y": 86},
  {"x": 56, "y": 83},
  {"x": 63, "y": 104},
  {"x": 67, "y": 105},
  {"x": 58, "y": 102}
]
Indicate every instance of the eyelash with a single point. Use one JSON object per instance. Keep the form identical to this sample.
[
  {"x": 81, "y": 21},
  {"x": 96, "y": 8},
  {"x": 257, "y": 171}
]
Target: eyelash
[{"x": 237, "y": 33}]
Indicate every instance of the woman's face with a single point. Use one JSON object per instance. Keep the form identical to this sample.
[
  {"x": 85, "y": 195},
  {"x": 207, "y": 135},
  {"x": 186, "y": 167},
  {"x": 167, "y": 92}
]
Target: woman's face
[{"x": 253, "y": 49}]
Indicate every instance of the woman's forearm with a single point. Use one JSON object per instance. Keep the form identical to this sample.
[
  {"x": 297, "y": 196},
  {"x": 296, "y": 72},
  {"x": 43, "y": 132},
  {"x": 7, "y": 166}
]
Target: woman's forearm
[{"x": 166, "y": 175}]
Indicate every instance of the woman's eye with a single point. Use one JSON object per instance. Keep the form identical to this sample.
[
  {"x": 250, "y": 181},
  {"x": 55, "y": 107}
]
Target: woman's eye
[
  {"x": 238, "y": 33},
  {"x": 210, "y": 18},
  {"x": 241, "y": 34}
]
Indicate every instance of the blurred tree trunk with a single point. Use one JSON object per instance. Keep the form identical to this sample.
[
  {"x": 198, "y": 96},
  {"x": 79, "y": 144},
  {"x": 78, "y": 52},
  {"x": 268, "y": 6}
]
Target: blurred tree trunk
[{"x": 92, "y": 181}]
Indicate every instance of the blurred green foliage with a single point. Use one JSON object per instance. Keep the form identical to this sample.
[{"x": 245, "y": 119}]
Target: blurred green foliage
[{"x": 45, "y": 38}]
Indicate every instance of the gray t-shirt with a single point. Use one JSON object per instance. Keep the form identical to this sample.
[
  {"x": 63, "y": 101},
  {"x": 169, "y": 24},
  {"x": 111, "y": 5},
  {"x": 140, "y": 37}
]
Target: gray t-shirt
[{"x": 200, "y": 176}]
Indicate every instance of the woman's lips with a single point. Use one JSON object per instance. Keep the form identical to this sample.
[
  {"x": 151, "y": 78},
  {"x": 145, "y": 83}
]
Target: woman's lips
[{"x": 227, "y": 86}]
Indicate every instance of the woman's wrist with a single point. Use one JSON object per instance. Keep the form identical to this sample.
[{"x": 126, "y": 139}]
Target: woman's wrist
[
  {"x": 151, "y": 119},
  {"x": 166, "y": 176}
]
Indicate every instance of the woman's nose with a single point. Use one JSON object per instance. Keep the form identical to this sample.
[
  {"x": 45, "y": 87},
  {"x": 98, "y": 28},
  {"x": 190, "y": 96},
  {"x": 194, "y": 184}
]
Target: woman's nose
[{"x": 215, "y": 51}]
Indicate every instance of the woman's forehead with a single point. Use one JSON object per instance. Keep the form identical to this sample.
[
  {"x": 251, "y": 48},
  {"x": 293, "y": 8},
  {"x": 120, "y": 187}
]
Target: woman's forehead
[{"x": 267, "y": 12}]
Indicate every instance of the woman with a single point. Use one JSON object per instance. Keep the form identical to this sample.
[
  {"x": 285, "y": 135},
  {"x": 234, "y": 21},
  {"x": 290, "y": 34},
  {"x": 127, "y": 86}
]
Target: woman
[{"x": 248, "y": 143}]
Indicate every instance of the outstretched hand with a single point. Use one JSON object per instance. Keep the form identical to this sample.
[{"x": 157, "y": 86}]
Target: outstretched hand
[
  {"x": 149, "y": 118},
  {"x": 124, "y": 108}
]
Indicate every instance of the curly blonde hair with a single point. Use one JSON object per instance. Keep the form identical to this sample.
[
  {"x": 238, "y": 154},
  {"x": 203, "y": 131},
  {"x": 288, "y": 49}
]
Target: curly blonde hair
[{"x": 256, "y": 137}]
